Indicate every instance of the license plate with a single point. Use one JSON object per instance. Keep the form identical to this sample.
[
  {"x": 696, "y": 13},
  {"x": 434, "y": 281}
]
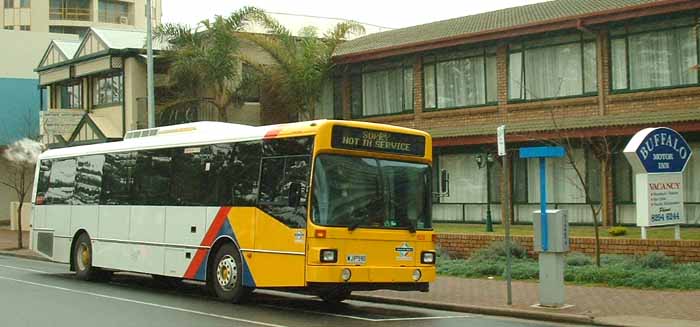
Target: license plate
[{"x": 356, "y": 259}]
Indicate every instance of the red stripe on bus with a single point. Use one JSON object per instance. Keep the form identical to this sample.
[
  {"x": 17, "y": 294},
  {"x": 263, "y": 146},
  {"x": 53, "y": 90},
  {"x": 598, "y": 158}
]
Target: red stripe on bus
[
  {"x": 273, "y": 133},
  {"x": 209, "y": 238}
]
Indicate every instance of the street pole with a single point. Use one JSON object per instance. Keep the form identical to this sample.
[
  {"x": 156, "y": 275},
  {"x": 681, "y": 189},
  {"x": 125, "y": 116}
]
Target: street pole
[
  {"x": 509, "y": 260},
  {"x": 489, "y": 221},
  {"x": 149, "y": 66}
]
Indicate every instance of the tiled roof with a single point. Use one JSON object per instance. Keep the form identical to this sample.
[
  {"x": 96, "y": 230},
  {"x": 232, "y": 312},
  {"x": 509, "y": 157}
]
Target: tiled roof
[
  {"x": 494, "y": 20},
  {"x": 544, "y": 125}
]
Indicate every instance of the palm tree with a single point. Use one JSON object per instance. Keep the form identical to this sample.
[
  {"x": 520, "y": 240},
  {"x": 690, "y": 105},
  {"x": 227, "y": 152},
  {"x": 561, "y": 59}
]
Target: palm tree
[
  {"x": 303, "y": 63},
  {"x": 203, "y": 62}
]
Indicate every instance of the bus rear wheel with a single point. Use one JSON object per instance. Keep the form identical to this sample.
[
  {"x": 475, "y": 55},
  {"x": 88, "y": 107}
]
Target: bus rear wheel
[
  {"x": 82, "y": 261},
  {"x": 225, "y": 277}
]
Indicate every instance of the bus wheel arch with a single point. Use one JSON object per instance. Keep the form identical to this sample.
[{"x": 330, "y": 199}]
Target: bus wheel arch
[
  {"x": 77, "y": 235},
  {"x": 225, "y": 271},
  {"x": 87, "y": 271}
]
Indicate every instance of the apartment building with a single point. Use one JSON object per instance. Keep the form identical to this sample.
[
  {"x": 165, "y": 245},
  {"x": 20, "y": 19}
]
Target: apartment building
[
  {"x": 595, "y": 72},
  {"x": 76, "y": 16}
]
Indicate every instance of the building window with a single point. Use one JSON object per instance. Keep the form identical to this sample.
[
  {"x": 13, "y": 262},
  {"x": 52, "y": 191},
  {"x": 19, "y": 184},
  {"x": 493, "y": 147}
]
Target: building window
[
  {"x": 459, "y": 79},
  {"x": 24, "y": 28},
  {"x": 71, "y": 96},
  {"x": 107, "y": 90},
  {"x": 655, "y": 55},
  {"x": 80, "y": 31},
  {"x": 9, "y": 27},
  {"x": 115, "y": 12},
  {"x": 70, "y": 10},
  {"x": 382, "y": 89},
  {"x": 24, "y": 3},
  {"x": 9, "y": 4},
  {"x": 554, "y": 67}
]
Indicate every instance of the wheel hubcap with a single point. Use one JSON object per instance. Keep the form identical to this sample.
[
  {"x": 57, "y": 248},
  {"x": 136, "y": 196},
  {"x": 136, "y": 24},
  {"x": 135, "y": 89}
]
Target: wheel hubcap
[
  {"x": 83, "y": 256},
  {"x": 227, "y": 272}
]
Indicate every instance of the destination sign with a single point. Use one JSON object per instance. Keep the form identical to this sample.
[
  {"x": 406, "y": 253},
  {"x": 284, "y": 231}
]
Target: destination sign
[{"x": 379, "y": 141}]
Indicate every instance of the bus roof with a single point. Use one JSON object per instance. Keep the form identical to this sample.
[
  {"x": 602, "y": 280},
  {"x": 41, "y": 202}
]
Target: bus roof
[{"x": 199, "y": 133}]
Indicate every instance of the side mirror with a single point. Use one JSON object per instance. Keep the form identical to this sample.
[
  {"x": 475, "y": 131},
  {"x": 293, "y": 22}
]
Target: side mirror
[
  {"x": 294, "y": 196},
  {"x": 444, "y": 181}
]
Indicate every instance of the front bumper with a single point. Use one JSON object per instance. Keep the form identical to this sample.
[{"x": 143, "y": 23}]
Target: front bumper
[{"x": 369, "y": 274}]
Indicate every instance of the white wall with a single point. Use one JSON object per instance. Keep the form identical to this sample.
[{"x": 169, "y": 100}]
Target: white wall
[{"x": 22, "y": 51}]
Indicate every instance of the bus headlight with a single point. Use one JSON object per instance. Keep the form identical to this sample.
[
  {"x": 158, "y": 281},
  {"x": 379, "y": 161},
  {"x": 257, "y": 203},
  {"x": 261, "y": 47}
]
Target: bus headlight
[
  {"x": 427, "y": 257},
  {"x": 346, "y": 274},
  {"x": 329, "y": 255},
  {"x": 416, "y": 275}
]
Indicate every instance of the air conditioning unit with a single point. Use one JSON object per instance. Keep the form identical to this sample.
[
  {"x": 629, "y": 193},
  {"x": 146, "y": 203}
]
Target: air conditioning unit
[{"x": 123, "y": 20}]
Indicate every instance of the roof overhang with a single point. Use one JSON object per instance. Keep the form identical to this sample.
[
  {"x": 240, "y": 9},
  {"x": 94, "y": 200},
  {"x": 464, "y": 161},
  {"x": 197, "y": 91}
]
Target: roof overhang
[{"x": 571, "y": 22}]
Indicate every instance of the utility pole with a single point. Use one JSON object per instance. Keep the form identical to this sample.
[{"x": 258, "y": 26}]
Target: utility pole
[{"x": 149, "y": 65}]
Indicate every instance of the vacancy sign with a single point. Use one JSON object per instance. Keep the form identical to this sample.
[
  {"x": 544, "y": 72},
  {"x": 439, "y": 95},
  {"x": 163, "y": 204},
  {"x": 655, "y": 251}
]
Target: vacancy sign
[{"x": 658, "y": 157}]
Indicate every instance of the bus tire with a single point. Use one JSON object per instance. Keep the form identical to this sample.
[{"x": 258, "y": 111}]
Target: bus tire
[
  {"x": 226, "y": 275},
  {"x": 82, "y": 259},
  {"x": 335, "y": 295}
]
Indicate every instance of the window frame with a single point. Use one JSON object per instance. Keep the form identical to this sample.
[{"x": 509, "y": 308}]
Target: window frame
[
  {"x": 403, "y": 65},
  {"x": 95, "y": 87},
  {"x": 523, "y": 47},
  {"x": 625, "y": 36},
  {"x": 485, "y": 55},
  {"x": 71, "y": 85}
]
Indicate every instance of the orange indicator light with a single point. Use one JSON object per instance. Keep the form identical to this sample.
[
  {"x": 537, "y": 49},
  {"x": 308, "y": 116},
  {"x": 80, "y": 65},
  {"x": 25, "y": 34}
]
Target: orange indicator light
[{"x": 320, "y": 233}]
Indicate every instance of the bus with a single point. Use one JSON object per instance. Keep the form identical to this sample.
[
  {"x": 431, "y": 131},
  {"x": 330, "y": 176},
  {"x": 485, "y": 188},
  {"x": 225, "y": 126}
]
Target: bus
[{"x": 325, "y": 207}]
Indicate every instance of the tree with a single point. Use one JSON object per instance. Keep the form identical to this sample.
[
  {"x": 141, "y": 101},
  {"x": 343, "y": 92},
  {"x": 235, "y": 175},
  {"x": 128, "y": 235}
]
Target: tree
[
  {"x": 303, "y": 63},
  {"x": 21, "y": 157},
  {"x": 203, "y": 62}
]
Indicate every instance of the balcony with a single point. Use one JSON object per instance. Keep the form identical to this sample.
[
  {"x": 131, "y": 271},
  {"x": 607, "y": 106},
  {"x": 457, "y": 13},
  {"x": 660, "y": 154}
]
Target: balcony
[{"x": 78, "y": 14}]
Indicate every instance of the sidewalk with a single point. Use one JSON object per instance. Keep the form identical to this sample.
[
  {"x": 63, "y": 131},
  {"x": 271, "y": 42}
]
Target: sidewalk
[{"x": 599, "y": 305}]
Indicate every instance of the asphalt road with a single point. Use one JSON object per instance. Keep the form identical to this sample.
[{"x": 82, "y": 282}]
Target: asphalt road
[{"x": 37, "y": 293}]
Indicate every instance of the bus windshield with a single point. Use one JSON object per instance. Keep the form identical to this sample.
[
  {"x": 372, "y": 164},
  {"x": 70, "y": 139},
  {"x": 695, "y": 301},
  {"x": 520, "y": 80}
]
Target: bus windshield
[{"x": 371, "y": 193}]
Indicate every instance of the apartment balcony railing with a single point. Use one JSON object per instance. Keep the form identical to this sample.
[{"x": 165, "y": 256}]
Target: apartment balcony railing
[
  {"x": 81, "y": 14},
  {"x": 116, "y": 19}
]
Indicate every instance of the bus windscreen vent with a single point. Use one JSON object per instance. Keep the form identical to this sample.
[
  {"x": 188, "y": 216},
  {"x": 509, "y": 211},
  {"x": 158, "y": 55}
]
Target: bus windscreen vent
[{"x": 141, "y": 133}]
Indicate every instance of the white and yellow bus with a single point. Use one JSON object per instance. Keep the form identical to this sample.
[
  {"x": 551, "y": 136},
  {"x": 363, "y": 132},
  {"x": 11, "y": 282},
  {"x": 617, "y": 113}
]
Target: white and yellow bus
[{"x": 325, "y": 206}]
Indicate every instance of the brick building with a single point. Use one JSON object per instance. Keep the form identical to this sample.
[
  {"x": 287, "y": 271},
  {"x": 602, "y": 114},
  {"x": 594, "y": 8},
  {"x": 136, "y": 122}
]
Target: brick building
[{"x": 595, "y": 72}]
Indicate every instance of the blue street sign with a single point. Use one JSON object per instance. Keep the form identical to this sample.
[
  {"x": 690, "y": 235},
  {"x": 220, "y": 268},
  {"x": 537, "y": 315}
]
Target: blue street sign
[{"x": 543, "y": 152}]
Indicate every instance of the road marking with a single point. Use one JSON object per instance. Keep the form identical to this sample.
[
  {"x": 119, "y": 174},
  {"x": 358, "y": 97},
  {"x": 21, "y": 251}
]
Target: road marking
[
  {"x": 31, "y": 270},
  {"x": 366, "y": 319},
  {"x": 260, "y": 323}
]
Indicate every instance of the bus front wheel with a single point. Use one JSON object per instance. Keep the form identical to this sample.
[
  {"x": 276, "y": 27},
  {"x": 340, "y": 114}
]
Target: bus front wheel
[
  {"x": 226, "y": 275},
  {"x": 82, "y": 261}
]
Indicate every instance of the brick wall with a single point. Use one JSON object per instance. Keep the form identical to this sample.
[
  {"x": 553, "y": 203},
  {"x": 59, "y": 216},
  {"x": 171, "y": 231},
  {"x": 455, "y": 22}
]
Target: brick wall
[{"x": 463, "y": 245}]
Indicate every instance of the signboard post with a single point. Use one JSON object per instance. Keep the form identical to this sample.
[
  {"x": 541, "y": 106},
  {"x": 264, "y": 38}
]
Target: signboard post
[
  {"x": 501, "y": 140},
  {"x": 658, "y": 157}
]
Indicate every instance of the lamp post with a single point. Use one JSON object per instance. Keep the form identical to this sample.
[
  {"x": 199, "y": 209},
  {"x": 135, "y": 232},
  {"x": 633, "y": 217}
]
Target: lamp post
[{"x": 481, "y": 163}]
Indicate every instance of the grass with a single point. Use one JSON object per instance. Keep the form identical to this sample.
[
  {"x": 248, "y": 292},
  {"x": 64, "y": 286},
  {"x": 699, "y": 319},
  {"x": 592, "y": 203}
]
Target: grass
[
  {"x": 652, "y": 271},
  {"x": 687, "y": 233}
]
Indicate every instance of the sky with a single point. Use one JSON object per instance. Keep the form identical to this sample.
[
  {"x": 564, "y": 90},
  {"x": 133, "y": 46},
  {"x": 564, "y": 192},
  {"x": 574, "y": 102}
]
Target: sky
[{"x": 385, "y": 14}]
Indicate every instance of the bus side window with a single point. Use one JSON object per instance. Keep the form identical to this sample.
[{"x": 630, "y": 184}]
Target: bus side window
[
  {"x": 152, "y": 180},
  {"x": 280, "y": 176},
  {"x": 61, "y": 182},
  {"x": 117, "y": 178},
  {"x": 43, "y": 183},
  {"x": 88, "y": 179},
  {"x": 192, "y": 168},
  {"x": 244, "y": 170}
]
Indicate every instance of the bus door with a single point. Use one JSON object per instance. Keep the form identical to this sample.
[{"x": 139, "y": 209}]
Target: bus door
[{"x": 280, "y": 229}]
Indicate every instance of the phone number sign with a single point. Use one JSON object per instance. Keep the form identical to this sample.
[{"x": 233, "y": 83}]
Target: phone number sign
[{"x": 661, "y": 203}]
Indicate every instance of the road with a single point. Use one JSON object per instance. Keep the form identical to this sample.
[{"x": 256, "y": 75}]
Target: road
[{"x": 38, "y": 293}]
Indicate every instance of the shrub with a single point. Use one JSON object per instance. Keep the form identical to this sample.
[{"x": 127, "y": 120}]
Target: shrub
[
  {"x": 655, "y": 260},
  {"x": 578, "y": 259},
  {"x": 497, "y": 250},
  {"x": 524, "y": 269},
  {"x": 617, "y": 231}
]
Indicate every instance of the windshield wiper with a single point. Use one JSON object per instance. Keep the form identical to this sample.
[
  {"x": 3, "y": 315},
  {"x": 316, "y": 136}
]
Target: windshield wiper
[
  {"x": 354, "y": 225},
  {"x": 411, "y": 226}
]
